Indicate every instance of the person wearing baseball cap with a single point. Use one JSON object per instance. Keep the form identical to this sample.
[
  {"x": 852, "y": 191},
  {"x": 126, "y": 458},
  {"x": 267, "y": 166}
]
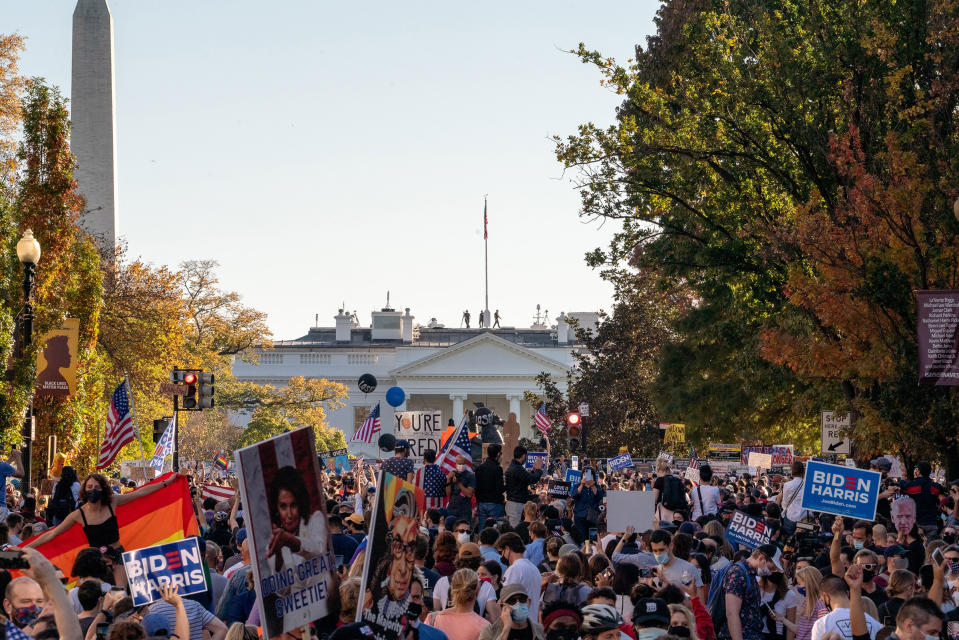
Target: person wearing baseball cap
[
  {"x": 400, "y": 465},
  {"x": 651, "y": 618},
  {"x": 514, "y": 610}
]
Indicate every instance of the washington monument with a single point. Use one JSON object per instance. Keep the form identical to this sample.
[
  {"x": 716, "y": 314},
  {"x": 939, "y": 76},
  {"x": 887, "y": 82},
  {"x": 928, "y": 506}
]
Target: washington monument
[{"x": 93, "y": 138}]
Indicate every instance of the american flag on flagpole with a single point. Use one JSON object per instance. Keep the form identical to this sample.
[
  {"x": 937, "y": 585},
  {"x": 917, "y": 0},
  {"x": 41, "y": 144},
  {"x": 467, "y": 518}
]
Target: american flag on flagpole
[
  {"x": 164, "y": 447},
  {"x": 119, "y": 430},
  {"x": 542, "y": 420},
  {"x": 369, "y": 428},
  {"x": 457, "y": 445}
]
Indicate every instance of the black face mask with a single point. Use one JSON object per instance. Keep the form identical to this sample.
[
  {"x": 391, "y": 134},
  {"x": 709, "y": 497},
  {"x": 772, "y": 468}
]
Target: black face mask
[
  {"x": 503, "y": 559},
  {"x": 94, "y": 496},
  {"x": 949, "y": 538},
  {"x": 868, "y": 575},
  {"x": 562, "y": 634},
  {"x": 413, "y": 610},
  {"x": 679, "y": 632}
]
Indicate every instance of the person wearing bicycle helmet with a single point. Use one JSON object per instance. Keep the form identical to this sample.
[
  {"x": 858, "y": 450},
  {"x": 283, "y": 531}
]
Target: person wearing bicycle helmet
[{"x": 600, "y": 622}]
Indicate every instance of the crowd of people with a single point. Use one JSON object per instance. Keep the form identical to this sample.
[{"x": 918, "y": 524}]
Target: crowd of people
[{"x": 496, "y": 557}]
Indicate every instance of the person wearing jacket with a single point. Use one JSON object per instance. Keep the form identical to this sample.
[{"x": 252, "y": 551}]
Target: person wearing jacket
[
  {"x": 518, "y": 482},
  {"x": 490, "y": 487},
  {"x": 587, "y": 498},
  {"x": 514, "y": 615}
]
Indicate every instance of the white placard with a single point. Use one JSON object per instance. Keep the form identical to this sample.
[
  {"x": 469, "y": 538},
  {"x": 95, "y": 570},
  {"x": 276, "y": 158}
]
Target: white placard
[
  {"x": 422, "y": 429},
  {"x": 832, "y": 441},
  {"x": 760, "y": 460},
  {"x": 637, "y": 508},
  {"x": 693, "y": 475}
]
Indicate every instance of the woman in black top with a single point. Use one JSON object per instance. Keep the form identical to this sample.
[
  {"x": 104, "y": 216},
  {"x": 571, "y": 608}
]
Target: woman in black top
[{"x": 95, "y": 513}]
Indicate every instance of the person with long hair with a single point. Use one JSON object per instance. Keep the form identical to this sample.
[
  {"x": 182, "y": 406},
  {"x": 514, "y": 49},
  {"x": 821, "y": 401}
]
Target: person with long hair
[
  {"x": 808, "y": 584},
  {"x": 95, "y": 512},
  {"x": 469, "y": 557},
  {"x": 444, "y": 554},
  {"x": 682, "y": 622},
  {"x": 297, "y": 533},
  {"x": 902, "y": 586},
  {"x": 66, "y": 494},
  {"x": 461, "y": 622},
  {"x": 773, "y": 589}
]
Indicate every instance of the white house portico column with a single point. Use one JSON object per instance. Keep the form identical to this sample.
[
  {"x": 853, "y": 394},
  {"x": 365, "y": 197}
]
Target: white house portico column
[
  {"x": 514, "y": 404},
  {"x": 458, "y": 400}
]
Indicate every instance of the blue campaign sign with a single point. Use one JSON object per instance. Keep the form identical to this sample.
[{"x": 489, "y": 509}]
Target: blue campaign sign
[
  {"x": 177, "y": 562},
  {"x": 747, "y": 531},
  {"x": 531, "y": 457},
  {"x": 843, "y": 491},
  {"x": 573, "y": 477},
  {"x": 622, "y": 461}
]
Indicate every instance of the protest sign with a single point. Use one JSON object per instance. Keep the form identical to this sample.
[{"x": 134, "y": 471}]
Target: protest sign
[
  {"x": 178, "y": 563},
  {"x": 422, "y": 429},
  {"x": 675, "y": 434},
  {"x": 620, "y": 462},
  {"x": 573, "y": 476},
  {"x": 721, "y": 451},
  {"x": 574, "y": 462},
  {"x": 692, "y": 474},
  {"x": 285, "y": 504},
  {"x": 938, "y": 349},
  {"x": 831, "y": 488},
  {"x": 903, "y": 514},
  {"x": 558, "y": 489},
  {"x": 336, "y": 461},
  {"x": 782, "y": 454},
  {"x": 388, "y": 562},
  {"x": 531, "y": 458},
  {"x": 747, "y": 531},
  {"x": 668, "y": 457},
  {"x": 630, "y": 507},
  {"x": 760, "y": 460}
]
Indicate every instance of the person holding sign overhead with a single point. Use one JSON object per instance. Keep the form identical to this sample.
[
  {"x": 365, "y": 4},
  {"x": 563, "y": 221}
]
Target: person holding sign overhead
[{"x": 587, "y": 499}]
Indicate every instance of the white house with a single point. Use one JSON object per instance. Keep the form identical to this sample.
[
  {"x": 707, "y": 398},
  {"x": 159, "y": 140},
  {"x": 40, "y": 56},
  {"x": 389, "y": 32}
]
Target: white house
[{"x": 438, "y": 368}]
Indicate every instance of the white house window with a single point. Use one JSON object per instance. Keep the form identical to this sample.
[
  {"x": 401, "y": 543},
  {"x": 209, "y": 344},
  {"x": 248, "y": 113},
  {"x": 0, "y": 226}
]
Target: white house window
[
  {"x": 314, "y": 358},
  {"x": 362, "y": 358},
  {"x": 271, "y": 358}
]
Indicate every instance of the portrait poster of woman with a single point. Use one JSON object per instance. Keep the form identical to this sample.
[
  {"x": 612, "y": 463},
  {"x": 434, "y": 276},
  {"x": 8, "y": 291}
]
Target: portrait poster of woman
[{"x": 283, "y": 499}]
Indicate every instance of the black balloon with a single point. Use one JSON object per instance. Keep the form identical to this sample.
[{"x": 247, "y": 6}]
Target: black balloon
[
  {"x": 386, "y": 442},
  {"x": 367, "y": 383}
]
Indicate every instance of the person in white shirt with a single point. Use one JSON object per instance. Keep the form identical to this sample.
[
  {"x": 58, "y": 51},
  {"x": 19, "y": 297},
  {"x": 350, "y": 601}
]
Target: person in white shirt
[
  {"x": 706, "y": 498},
  {"x": 790, "y": 499},
  {"x": 835, "y": 595},
  {"x": 520, "y": 571}
]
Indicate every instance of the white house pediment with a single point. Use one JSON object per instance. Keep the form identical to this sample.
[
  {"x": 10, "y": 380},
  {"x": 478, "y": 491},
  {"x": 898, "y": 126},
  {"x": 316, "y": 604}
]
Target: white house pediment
[{"x": 484, "y": 355}]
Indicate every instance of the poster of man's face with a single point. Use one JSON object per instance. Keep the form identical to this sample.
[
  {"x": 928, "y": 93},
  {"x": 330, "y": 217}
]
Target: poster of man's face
[
  {"x": 390, "y": 557},
  {"x": 283, "y": 496},
  {"x": 903, "y": 512}
]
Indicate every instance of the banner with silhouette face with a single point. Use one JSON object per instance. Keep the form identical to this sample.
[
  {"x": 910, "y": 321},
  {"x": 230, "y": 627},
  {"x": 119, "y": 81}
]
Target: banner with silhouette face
[{"x": 57, "y": 362}]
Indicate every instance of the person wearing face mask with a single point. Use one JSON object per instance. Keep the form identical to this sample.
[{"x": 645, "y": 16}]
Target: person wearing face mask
[
  {"x": 682, "y": 622},
  {"x": 514, "y": 622},
  {"x": 96, "y": 514},
  {"x": 869, "y": 563},
  {"x": 651, "y": 618},
  {"x": 836, "y": 597},
  {"x": 902, "y": 586},
  {"x": 460, "y": 485},
  {"x": 468, "y": 557},
  {"x": 809, "y": 609},
  {"x": 918, "y": 619},
  {"x": 862, "y": 536},
  {"x": 520, "y": 571},
  {"x": 744, "y": 619},
  {"x": 561, "y": 621},
  {"x": 600, "y": 622}
]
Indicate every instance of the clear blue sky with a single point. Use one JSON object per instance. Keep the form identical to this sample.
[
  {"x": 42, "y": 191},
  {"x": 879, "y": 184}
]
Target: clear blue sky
[{"x": 327, "y": 152}]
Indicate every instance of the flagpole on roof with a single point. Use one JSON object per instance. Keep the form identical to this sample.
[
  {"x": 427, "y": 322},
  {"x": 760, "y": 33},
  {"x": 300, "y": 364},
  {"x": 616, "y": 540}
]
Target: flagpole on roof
[
  {"x": 485, "y": 264},
  {"x": 133, "y": 412}
]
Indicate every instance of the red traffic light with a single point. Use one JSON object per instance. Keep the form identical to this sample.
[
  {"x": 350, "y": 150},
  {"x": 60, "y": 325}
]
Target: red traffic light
[
  {"x": 572, "y": 419},
  {"x": 189, "y": 378}
]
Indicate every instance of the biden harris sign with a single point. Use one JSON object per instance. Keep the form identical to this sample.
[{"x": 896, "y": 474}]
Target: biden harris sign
[
  {"x": 178, "y": 563},
  {"x": 843, "y": 491}
]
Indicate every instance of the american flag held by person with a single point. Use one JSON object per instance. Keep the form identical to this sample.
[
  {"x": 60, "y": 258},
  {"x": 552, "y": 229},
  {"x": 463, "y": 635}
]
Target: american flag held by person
[
  {"x": 217, "y": 492},
  {"x": 119, "y": 430},
  {"x": 542, "y": 420},
  {"x": 431, "y": 479},
  {"x": 457, "y": 445},
  {"x": 369, "y": 428},
  {"x": 164, "y": 447},
  {"x": 693, "y": 462}
]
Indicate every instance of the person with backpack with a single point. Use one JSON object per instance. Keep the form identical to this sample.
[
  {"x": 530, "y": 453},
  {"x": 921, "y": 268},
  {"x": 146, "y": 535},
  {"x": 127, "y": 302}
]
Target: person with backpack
[
  {"x": 567, "y": 586},
  {"x": 64, "y": 499},
  {"x": 669, "y": 492},
  {"x": 735, "y": 604},
  {"x": 706, "y": 498},
  {"x": 587, "y": 499}
]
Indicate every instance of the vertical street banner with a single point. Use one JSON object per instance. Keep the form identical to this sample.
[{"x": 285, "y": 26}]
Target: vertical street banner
[
  {"x": 840, "y": 490},
  {"x": 422, "y": 429},
  {"x": 178, "y": 563},
  {"x": 282, "y": 492},
  {"x": 938, "y": 336},
  {"x": 388, "y": 563},
  {"x": 57, "y": 363}
]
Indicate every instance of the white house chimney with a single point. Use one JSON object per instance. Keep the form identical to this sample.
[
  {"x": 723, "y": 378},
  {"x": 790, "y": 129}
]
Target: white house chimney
[
  {"x": 407, "y": 327},
  {"x": 562, "y": 329},
  {"x": 343, "y": 326}
]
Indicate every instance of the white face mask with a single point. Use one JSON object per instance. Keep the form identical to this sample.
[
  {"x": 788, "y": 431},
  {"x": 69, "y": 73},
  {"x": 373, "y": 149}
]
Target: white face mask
[
  {"x": 463, "y": 537},
  {"x": 460, "y": 467}
]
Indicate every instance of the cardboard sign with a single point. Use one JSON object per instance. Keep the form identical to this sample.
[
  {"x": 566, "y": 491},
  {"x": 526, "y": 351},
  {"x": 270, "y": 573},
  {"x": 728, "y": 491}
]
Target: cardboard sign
[
  {"x": 574, "y": 462},
  {"x": 292, "y": 582},
  {"x": 620, "y": 462},
  {"x": 573, "y": 476},
  {"x": 692, "y": 475},
  {"x": 558, "y": 489},
  {"x": 668, "y": 457},
  {"x": 531, "y": 458},
  {"x": 843, "y": 491},
  {"x": 422, "y": 429},
  {"x": 178, "y": 562},
  {"x": 337, "y": 461},
  {"x": 747, "y": 531},
  {"x": 675, "y": 434},
  {"x": 760, "y": 460},
  {"x": 630, "y": 507}
]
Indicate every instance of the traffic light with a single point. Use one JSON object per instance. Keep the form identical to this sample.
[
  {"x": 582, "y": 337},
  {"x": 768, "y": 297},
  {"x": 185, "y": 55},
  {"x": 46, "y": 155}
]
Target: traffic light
[
  {"x": 205, "y": 390},
  {"x": 159, "y": 426},
  {"x": 574, "y": 428},
  {"x": 190, "y": 402}
]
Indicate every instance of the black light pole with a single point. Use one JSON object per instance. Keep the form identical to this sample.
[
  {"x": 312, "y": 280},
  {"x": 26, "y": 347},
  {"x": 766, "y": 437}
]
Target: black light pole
[{"x": 28, "y": 251}]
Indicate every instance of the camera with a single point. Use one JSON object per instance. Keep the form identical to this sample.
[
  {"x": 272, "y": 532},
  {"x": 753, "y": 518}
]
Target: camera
[{"x": 13, "y": 560}]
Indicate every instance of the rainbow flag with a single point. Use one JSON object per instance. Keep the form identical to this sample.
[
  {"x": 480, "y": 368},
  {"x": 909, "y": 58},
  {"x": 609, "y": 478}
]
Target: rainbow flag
[
  {"x": 165, "y": 515},
  {"x": 221, "y": 462}
]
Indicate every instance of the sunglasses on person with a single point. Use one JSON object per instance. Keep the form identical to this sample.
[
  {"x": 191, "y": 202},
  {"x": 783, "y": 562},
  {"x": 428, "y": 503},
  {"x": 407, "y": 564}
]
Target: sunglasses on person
[
  {"x": 869, "y": 566},
  {"x": 464, "y": 530},
  {"x": 516, "y": 599}
]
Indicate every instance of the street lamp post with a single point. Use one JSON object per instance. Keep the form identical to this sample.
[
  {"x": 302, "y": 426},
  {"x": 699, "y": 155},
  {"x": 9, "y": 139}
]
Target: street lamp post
[{"x": 28, "y": 251}]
